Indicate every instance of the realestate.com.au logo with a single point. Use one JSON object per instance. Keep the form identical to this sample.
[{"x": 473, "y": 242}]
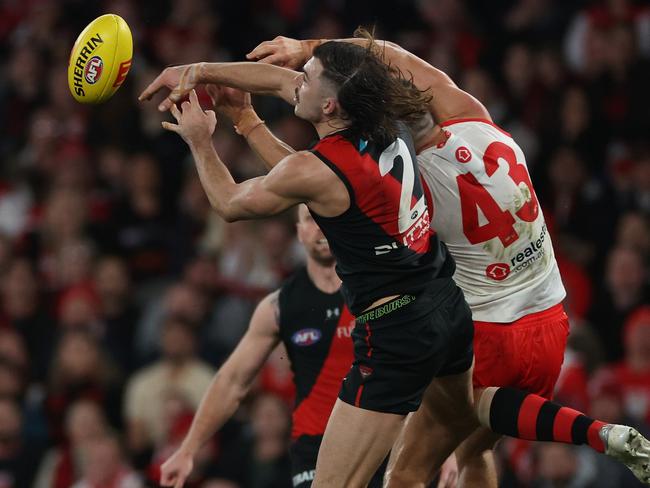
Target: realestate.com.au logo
[{"x": 522, "y": 260}]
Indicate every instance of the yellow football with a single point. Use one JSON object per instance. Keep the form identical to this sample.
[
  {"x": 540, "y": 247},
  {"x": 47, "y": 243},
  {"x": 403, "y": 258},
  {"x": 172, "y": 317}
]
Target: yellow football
[{"x": 100, "y": 59}]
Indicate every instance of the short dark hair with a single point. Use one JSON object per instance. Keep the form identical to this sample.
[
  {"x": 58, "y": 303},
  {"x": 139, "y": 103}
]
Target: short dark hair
[{"x": 371, "y": 93}]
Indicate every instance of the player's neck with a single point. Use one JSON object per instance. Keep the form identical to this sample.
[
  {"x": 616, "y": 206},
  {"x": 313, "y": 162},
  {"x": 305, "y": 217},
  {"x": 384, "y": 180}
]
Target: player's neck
[
  {"x": 327, "y": 127},
  {"x": 324, "y": 277}
]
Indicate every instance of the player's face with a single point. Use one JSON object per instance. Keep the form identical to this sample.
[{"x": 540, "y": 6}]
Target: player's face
[
  {"x": 314, "y": 99},
  {"x": 310, "y": 235}
]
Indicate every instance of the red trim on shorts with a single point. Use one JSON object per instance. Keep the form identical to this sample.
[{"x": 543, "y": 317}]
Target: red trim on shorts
[
  {"x": 527, "y": 421},
  {"x": 368, "y": 334},
  {"x": 553, "y": 314},
  {"x": 563, "y": 424},
  {"x": 484, "y": 121},
  {"x": 357, "y": 400}
]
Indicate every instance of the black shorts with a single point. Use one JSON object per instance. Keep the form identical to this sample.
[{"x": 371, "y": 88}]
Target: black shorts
[
  {"x": 401, "y": 345},
  {"x": 304, "y": 452}
]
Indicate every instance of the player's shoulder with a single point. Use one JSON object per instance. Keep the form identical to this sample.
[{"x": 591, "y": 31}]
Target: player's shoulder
[
  {"x": 475, "y": 124},
  {"x": 295, "y": 282}
]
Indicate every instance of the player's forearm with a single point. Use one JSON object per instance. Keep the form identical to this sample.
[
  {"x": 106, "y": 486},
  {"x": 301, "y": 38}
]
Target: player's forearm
[
  {"x": 220, "y": 402},
  {"x": 261, "y": 140},
  {"x": 217, "y": 182},
  {"x": 258, "y": 78}
]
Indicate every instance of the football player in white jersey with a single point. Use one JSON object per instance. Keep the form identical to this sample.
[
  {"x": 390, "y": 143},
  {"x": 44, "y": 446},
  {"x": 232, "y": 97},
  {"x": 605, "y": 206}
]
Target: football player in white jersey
[{"x": 486, "y": 211}]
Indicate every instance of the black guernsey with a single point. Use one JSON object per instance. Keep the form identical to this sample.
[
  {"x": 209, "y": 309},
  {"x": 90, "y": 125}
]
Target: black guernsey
[{"x": 383, "y": 243}]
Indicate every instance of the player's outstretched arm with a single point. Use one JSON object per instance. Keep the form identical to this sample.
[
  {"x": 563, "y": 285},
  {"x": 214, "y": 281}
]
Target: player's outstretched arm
[
  {"x": 251, "y": 77},
  {"x": 229, "y": 387},
  {"x": 236, "y": 105},
  {"x": 298, "y": 178},
  {"x": 448, "y": 102}
]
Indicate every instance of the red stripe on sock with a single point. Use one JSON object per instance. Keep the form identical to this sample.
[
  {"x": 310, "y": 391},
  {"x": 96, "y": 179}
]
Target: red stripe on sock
[
  {"x": 527, "y": 421},
  {"x": 563, "y": 423},
  {"x": 593, "y": 438}
]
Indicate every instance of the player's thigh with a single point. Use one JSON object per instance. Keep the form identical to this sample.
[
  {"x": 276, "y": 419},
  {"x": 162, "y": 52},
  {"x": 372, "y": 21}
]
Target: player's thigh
[
  {"x": 450, "y": 398},
  {"x": 355, "y": 443}
]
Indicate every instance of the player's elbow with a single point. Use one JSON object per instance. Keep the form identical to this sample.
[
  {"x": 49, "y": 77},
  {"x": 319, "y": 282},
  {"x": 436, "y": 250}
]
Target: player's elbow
[{"x": 235, "y": 388}]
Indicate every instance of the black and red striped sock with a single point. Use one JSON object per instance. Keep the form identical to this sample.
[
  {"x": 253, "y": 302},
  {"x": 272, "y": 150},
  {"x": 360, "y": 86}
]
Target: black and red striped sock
[{"x": 527, "y": 416}]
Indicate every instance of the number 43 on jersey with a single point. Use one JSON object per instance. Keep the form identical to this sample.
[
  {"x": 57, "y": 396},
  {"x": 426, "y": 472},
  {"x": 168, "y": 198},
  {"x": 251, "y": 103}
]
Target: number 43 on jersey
[{"x": 500, "y": 223}]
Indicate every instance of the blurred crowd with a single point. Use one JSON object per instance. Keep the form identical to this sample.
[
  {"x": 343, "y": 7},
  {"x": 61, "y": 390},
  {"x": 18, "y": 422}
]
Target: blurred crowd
[{"x": 121, "y": 292}]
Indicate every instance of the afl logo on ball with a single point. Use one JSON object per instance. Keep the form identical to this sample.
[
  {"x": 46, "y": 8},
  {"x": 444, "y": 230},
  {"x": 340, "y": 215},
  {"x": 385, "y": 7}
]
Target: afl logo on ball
[
  {"x": 93, "y": 69},
  {"x": 497, "y": 271},
  {"x": 306, "y": 337},
  {"x": 463, "y": 154}
]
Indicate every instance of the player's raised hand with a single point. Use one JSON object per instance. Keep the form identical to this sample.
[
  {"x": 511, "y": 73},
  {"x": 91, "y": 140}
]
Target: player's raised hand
[
  {"x": 281, "y": 51},
  {"x": 230, "y": 102},
  {"x": 193, "y": 124},
  {"x": 178, "y": 79},
  {"x": 176, "y": 469}
]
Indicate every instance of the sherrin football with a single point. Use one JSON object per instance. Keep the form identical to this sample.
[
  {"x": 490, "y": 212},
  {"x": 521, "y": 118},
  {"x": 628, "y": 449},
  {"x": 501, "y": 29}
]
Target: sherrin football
[{"x": 100, "y": 59}]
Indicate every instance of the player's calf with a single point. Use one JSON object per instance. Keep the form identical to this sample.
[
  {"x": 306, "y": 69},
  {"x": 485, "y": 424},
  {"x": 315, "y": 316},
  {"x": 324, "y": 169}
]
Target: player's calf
[{"x": 528, "y": 416}]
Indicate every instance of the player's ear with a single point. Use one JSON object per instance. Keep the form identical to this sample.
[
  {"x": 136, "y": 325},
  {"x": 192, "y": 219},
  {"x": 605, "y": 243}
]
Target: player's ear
[{"x": 329, "y": 105}]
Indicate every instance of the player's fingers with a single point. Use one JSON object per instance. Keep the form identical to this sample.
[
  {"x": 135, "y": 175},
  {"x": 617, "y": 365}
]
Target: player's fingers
[
  {"x": 179, "y": 482},
  {"x": 171, "y": 127},
  {"x": 167, "y": 478},
  {"x": 185, "y": 106},
  {"x": 175, "y": 112},
  {"x": 263, "y": 49},
  {"x": 194, "y": 100},
  {"x": 211, "y": 115},
  {"x": 165, "y": 105},
  {"x": 151, "y": 89},
  {"x": 275, "y": 59}
]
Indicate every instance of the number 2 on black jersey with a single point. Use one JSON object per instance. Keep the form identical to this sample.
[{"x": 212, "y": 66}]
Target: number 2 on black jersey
[{"x": 397, "y": 158}]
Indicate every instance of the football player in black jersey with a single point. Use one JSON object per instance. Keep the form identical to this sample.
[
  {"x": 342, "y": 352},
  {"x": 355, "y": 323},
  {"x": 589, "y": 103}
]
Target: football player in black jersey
[
  {"x": 308, "y": 316},
  {"x": 413, "y": 333}
]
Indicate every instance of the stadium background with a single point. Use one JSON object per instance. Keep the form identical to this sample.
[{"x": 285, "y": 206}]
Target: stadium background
[{"x": 120, "y": 291}]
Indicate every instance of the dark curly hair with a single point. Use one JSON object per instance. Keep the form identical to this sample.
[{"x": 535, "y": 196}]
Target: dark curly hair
[{"x": 372, "y": 94}]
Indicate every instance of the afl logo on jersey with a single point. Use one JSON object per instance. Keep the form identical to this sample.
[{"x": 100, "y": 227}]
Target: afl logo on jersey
[
  {"x": 463, "y": 154},
  {"x": 306, "y": 337},
  {"x": 498, "y": 271}
]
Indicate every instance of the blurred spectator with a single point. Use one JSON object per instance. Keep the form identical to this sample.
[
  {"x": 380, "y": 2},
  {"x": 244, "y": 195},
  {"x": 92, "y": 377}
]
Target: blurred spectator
[
  {"x": 178, "y": 370},
  {"x": 79, "y": 371},
  {"x": 61, "y": 466},
  {"x": 579, "y": 209},
  {"x": 23, "y": 312},
  {"x": 103, "y": 465},
  {"x": 117, "y": 311},
  {"x": 632, "y": 375},
  {"x": 142, "y": 220},
  {"x": 634, "y": 233},
  {"x": 18, "y": 460},
  {"x": 262, "y": 459},
  {"x": 624, "y": 289},
  {"x": 181, "y": 300},
  {"x": 177, "y": 417}
]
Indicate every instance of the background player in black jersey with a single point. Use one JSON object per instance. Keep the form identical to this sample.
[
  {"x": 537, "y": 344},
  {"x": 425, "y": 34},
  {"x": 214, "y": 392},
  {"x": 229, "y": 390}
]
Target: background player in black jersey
[
  {"x": 308, "y": 316},
  {"x": 362, "y": 185}
]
